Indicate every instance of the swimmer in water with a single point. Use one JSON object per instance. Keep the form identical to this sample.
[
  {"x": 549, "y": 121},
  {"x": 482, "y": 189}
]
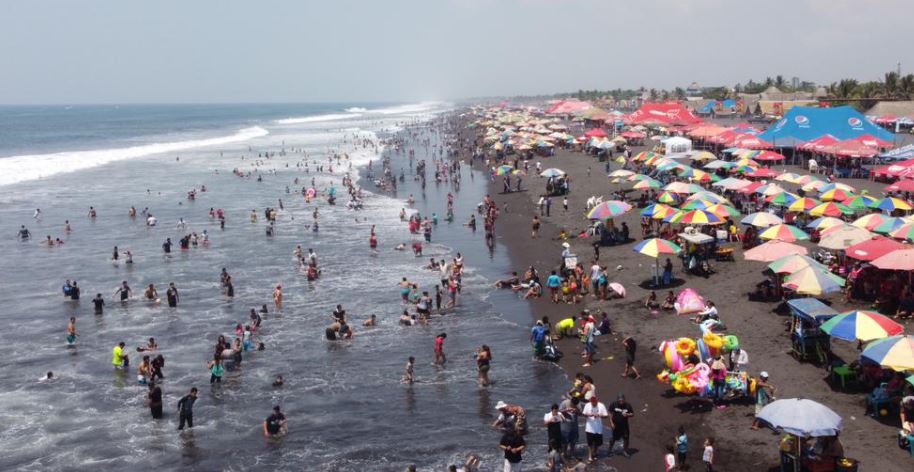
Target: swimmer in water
[
  {"x": 151, "y": 294},
  {"x": 371, "y": 321},
  {"x": 71, "y": 331},
  {"x": 277, "y": 297},
  {"x": 24, "y": 234},
  {"x": 408, "y": 373},
  {"x": 278, "y": 382},
  {"x": 124, "y": 292}
]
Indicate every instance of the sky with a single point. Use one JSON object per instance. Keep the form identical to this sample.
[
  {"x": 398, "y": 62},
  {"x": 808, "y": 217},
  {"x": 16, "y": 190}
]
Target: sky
[{"x": 231, "y": 51}]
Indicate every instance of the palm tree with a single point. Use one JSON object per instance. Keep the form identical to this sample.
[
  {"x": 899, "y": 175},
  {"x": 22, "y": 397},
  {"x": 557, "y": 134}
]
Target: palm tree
[
  {"x": 653, "y": 94},
  {"x": 890, "y": 85},
  {"x": 768, "y": 82},
  {"x": 679, "y": 93},
  {"x": 843, "y": 89},
  {"x": 906, "y": 86}
]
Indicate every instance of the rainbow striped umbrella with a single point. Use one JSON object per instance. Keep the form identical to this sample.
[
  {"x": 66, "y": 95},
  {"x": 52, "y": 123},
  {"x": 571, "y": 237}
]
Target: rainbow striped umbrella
[
  {"x": 638, "y": 177},
  {"x": 896, "y": 352},
  {"x": 891, "y": 203},
  {"x": 788, "y": 177},
  {"x": 890, "y": 224},
  {"x": 653, "y": 208},
  {"x": 869, "y": 222},
  {"x": 709, "y": 196},
  {"x": 664, "y": 213},
  {"x": 608, "y": 209},
  {"x": 812, "y": 184},
  {"x": 861, "y": 325},
  {"x": 782, "y": 232},
  {"x": 906, "y": 231},
  {"x": 762, "y": 219},
  {"x": 673, "y": 217},
  {"x": 839, "y": 186},
  {"x": 654, "y": 247},
  {"x": 830, "y": 209},
  {"x": 502, "y": 170},
  {"x": 813, "y": 281},
  {"x": 794, "y": 263},
  {"x": 723, "y": 211},
  {"x": 835, "y": 194},
  {"x": 697, "y": 204},
  {"x": 669, "y": 198},
  {"x": 769, "y": 190},
  {"x": 860, "y": 202},
  {"x": 803, "y": 204},
  {"x": 824, "y": 223},
  {"x": 699, "y": 217},
  {"x": 682, "y": 187},
  {"x": 643, "y": 155},
  {"x": 647, "y": 183},
  {"x": 783, "y": 199}
]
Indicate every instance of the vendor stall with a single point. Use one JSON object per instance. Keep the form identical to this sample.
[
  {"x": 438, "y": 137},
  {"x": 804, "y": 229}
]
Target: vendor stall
[{"x": 810, "y": 343}]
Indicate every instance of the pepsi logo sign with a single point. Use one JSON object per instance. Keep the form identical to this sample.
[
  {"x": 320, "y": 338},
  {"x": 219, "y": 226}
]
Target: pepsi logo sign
[
  {"x": 855, "y": 122},
  {"x": 801, "y": 120}
]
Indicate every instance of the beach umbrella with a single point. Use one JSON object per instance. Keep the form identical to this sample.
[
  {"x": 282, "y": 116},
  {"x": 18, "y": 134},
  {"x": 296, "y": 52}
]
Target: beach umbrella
[
  {"x": 520, "y": 172},
  {"x": 708, "y": 196},
  {"x": 682, "y": 187},
  {"x": 902, "y": 185},
  {"x": 620, "y": 173},
  {"x": 653, "y": 208},
  {"x": 552, "y": 172},
  {"x": 861, "y": 325},
  {"x": 664, "y": 213},
  {"x": 608, "y": 209},
  {"x": 769, "y": 190},
  {"x": 645, "y": 184},
  {"x": 890, "y": 204},
  {"x": 643, "y": 155},
  {"x": 502, "y": 170},
  {"x": 801, "y": 417},
  {"x": 723, "y": 211},
  {"x": 769, "y": 156},
  {"x": 830, "y": 209},
  {"x": 873, "y": 248},
  {"x": 713, "y": 165},
  {"x": 638, "y": 177},
  {"x": 762, "y": 219},
  {"x": 794, "y": 263},
  {"x": 772, "y": 251},
  {"x": 731, "y": 183},
  {"x": 803, "y": 204},
  {"x": 782, "y": 232},
  {"x": 813, "y": 281},
  {"x": 655, "y": 247},
  {"x": 896, "y": 352},
  {"x": 824, "y": 223},
  {"x": 689, "y": 301},
  {"x": 763, "y": 173},
  {"x": 905, "y": 231},
  {"x": 782, "y": 199},
  {"x": 703, "y": 156},
  {"x": 869, "y": 222},
  {"x": 835, "y": 194},
  {"x": 812, "y": 184},
  {"x": 890, "y": 224},
  {"x": 788, "y": 177},
  {"x": 859, "y": 202},
  {"x": 699, "y": 217},
  {"x": 674, "y": 217},
  {"x": 899, "y": 259},
  {"x": 843, "y": 237},
  {"x": 618, "y": 288},
  {"x": 697, "y": 204},
  {"x": 668, "y": 198},
  {"x": 839, "y": 186}
]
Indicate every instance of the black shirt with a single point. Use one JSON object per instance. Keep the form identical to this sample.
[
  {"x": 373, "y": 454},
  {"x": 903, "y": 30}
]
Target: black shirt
[
  {"x": 512, "y": 439},
  {"x": 99, "y": 303},
  {"x": 617, "y": 408},
  {"x": 172, "y": 295},
  {"x": 274, "y": 422},
  {"x": 186, "y": 405},
  {"x": 155, "y": 396},
  {"x": 74, "y": 293},
  {"x": 630, "y": 347}
]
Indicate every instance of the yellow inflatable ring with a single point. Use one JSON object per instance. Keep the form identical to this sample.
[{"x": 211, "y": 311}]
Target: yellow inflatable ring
[{"x": 685, "y": 346}]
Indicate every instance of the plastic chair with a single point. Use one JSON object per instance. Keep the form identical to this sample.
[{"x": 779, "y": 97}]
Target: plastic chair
[{"x": 844, "y": 375}]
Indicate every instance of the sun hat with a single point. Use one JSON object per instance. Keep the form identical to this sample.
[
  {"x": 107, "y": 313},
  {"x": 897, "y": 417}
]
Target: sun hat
[
  {"x": 500, "y": 405},
  {"x": 763, "y": 374}
]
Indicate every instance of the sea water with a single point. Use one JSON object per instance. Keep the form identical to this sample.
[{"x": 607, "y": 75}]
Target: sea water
[{"x": 346, "y": 407}]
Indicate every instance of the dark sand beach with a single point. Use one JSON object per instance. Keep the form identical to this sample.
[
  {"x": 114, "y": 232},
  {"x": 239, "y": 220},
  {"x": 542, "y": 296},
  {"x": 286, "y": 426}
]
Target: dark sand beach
[{"x": 659, "y": 410}]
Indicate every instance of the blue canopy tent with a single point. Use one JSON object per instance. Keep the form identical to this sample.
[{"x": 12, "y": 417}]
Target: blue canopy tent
[
  {"x": 715, "y": 105},
  {"x": 803, "y": 124}
]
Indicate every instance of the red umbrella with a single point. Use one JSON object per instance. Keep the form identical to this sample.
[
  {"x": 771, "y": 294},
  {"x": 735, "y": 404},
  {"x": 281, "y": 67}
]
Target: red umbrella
[
  {"x": 901, "y": 186},
  {"x": 764, "y": 173},
  {"x": 819, "y": 143},
  {"x": 595, "y": 133},
  {"x": 769, "y": 156},
  {"x": 873, "y": 249},
  {"x": 902, "y": 259},
  {"x": 871, "y": 141},
  {"x": 749, "y": 189}
]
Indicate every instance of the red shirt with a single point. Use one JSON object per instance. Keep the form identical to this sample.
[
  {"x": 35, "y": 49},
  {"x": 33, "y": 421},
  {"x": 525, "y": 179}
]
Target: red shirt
[{"x": 439, "y": 344}]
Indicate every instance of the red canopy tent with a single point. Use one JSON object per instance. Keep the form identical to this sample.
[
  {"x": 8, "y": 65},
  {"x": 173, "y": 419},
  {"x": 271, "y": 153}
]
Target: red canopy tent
[
  {"x": 901, "y": 186},
  {"x": 595, "y": 133},
  {"x": 664, "y": 114},
  {"x": 763, "y": 173},
  {"x": 893, "y": 170},
  {"x": 769, "y": 156},
  {"x": 873, "y": 249},
  {"x": 749, "y": 141},
  {"x": 872, "y": 141},
  {"x": 633, "y": 135},
  {"x": 852, "y": 148},
  {"x": 819, "y": 143},
  {"x": 886, "y": 119}
]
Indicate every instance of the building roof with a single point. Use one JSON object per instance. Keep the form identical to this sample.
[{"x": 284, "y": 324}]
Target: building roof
[{"x": 903, "y": 108}]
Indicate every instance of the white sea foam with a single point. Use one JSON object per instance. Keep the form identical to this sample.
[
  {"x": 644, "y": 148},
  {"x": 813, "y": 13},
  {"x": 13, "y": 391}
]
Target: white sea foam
[
  {"x": 421, "y": 107},
  {"x": 37, "y": 166},
  {"x": 318, "y": 118},
  {"x": 356, "y": 110}
]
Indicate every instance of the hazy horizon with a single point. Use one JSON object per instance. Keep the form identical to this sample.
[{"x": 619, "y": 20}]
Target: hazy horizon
[{"x": 236, "y": 52}]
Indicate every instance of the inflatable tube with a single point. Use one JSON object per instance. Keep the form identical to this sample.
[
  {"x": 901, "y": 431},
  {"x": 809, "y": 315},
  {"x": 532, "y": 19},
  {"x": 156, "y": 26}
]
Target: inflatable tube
[
  {"x": 715, "y": 344},
  {"x": 703, "y": 350},
  {"x": 685, "y": 347},
  {"x": 731, "y": 342}
]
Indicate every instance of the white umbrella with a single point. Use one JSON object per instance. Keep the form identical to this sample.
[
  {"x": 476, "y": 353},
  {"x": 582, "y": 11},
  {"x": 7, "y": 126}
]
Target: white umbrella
[{"x": 800, "y": 417}]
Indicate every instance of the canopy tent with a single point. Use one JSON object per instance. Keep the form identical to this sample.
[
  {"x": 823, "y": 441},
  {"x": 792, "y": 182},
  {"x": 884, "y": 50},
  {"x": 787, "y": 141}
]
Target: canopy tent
[
  {"x": 664, "y": 114},
  {"x": 728, "y": 106},
  {"x": 803, "y": 124},
  {"x": 676, "y": 146},
  {"x": 567, "y": 107}
]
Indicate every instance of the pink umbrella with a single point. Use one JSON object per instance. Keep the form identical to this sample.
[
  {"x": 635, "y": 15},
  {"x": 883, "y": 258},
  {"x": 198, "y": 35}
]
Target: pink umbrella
[{"x": 618, "y": 288}]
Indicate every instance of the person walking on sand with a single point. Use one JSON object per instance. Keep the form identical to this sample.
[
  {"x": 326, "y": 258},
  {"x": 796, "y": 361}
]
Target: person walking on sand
[
  {"x": 440, "y": 358},
  {"x": 708, "y": 455},
  {"x": 594, "y": 412},
  {"x": 536, "y": 227},
  {"x": 630, "y": 346},
  {"x": 621, "y": 411},
  {"x": 764, "y": 394}
]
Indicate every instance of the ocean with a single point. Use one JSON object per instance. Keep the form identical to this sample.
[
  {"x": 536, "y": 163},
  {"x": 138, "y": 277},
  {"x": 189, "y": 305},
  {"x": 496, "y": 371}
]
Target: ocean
[{"x": 346, "y": 407}]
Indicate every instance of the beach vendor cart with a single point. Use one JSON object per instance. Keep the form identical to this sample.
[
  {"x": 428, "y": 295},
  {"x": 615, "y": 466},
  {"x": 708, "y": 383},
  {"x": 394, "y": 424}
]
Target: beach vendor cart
[
  {"x": 809, "y": 342},
  {"x": 698, "y": 249}
]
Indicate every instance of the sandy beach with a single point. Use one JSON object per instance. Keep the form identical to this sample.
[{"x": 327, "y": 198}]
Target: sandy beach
[{"x": 660, "y": 411}]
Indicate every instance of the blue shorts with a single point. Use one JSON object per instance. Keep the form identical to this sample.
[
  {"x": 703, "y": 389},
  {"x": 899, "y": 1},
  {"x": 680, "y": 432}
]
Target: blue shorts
[{"x": 588, "y": 347}]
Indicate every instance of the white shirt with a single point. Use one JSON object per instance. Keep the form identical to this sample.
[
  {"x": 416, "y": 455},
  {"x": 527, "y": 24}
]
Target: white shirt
[
  {"x": 443, "y": 268},
  {"x": 549, "y": 418},
  {"x": 708, "y": 455},
  {"x": 595, "y": 272},
  {"x": 594, "y": 425}
]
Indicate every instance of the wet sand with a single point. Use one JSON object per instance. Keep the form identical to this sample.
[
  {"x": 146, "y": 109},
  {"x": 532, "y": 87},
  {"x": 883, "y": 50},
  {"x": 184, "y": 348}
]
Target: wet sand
[{"x": 659, "y": 411}]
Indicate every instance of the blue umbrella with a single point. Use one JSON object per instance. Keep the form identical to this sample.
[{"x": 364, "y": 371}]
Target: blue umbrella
[{"x": 800, "y": 417}]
